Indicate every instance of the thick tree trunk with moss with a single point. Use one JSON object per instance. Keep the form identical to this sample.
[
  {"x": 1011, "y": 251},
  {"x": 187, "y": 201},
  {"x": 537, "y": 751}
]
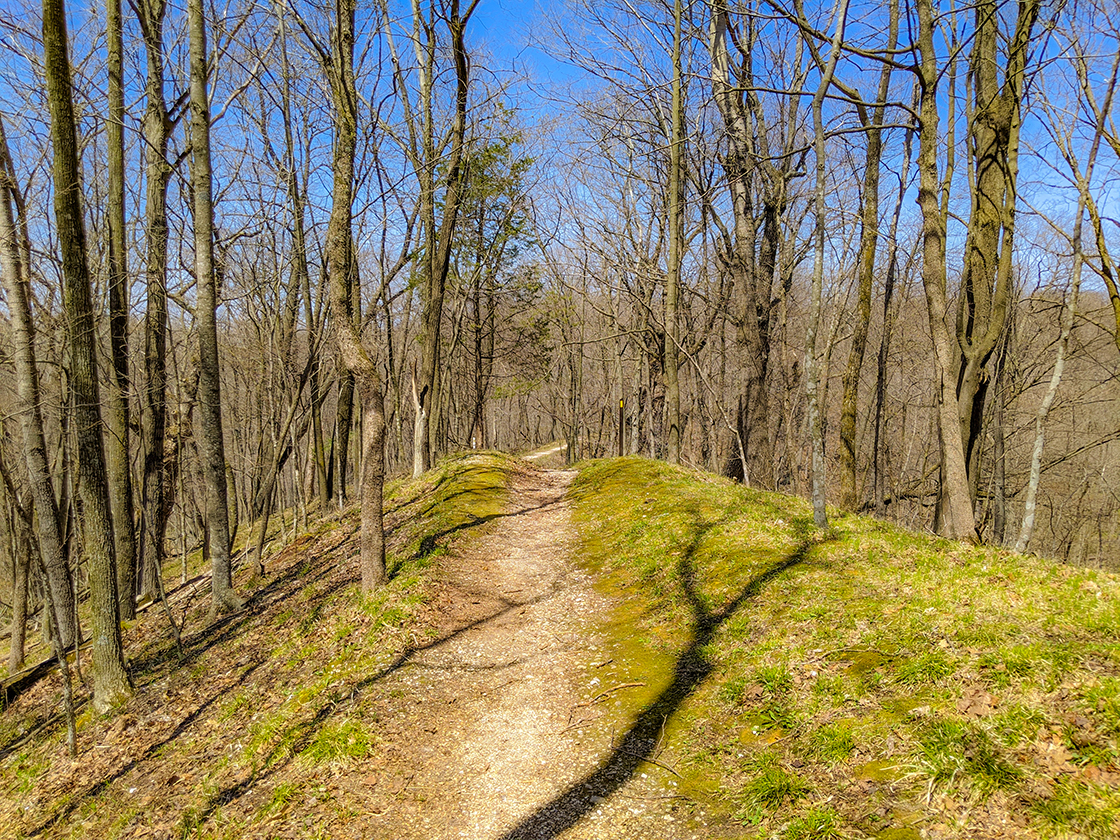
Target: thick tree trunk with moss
[
  {"x": 212, "y": 445},
  {"x": 961, "y": 356},
  {"x": 758, "y": 177},
  {"x": 957, "y": 501},
  {"x": 987, "y": 279},
  {"x": 110, "y": 678}
]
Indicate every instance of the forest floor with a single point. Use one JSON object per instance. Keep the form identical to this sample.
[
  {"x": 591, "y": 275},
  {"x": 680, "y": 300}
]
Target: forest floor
[
  {"x": 625, "y": 650},
  {"x": 484, "y": 703}
]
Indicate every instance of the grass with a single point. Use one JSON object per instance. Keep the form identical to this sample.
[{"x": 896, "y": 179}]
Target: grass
[
  {"x": 908, "y": 680},
  {"x": 339, "y": 742},
  {"x": 868, "y": 682}
]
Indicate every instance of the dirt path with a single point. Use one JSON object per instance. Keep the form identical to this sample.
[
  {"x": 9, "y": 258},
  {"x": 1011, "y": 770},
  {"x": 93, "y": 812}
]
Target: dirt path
[{"x": 496, "y": 732}]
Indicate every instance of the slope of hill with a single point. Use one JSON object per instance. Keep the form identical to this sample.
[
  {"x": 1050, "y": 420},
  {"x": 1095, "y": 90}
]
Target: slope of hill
[
  {"x": 264, "y": 707},
  {"x": 868, "y": 682},
  {"x": 739, "y": 675}
]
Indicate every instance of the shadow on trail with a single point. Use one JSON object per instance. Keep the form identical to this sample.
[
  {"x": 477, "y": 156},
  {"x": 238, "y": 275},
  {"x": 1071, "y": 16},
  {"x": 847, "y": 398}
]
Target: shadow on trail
[
  {"x": 299, "y": 735},
  {"x": 640, "y": 741},
  {"x": 160, "y": 660},
  {"x": 430, "y": 542}
]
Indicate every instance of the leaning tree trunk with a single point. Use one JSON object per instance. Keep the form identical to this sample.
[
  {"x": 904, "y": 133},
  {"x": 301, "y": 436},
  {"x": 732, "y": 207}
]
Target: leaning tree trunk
[
  {"x": 17, "y": 292},
  {"x": 209, "y": 387},
  {"x": 110, "y": 678},
  {"x": 439, "y": 243}
]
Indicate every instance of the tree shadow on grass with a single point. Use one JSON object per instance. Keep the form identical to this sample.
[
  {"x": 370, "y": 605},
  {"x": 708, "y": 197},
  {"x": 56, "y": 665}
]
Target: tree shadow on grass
[
  {"x": 430, "y": 542},
  {"x": 299, "y": 735},
  {"x": 638, "y": 744},
  {"x": 160, "y": 660}
]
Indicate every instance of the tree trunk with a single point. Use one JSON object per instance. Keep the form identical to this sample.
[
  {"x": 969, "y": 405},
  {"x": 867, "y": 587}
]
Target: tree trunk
[
  {"x": 752, "y": 256},
  {"x": 110, "y": 678},
  {"x": 154, "y": 428},
  {"x": 20, "y": 555},
  {"x": 117, "y": 446},
  {"x": 17, "y": 292},
  {"x": 987, "y": 278},
  {"x": 676, "y": 249},
  {"x": 437, "y": 256},
  {"x": 877, "y": 456},
  {"x": 956, "y": 499},
  {"x": 209, "y": 379},
  {"x": 812, "y": 375},
  {"x": 340, "y": 262},
  {"x": 869, "y": 240}
]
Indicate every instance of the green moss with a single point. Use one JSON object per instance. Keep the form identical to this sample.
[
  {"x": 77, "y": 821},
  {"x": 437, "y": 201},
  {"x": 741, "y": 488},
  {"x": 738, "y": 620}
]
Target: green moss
[{"x": 852, "y": 646}]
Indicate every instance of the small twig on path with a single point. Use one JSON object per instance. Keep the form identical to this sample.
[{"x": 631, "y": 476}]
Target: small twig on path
[
  {"x": 404, "y": 787},
  {"x": 660, "y": 736},
  {"x": 572, "y": 726},
  {"x": 499, "y": 687},
  {"x": 648, "y": 760},
  {"x": 609, "y": 691}
]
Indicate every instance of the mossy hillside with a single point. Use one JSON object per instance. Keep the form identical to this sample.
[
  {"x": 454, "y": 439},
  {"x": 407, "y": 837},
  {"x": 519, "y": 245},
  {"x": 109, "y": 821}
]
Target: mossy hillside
[
  {"x": 268, "y": 708},
  {"x": 872, "y": 683}
]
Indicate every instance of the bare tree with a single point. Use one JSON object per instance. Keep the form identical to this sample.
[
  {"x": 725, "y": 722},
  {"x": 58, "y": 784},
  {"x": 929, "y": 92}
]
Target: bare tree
[
  {"x": 117, "y": 410},
  {"x": 341, "y": 266},
  {"x": 13, "y": 241},
  {"x": 209, "y": 383},
  {"x": 812, "y": 382},
  {"x": 986, "y": 282},
  {"x": 110, "y": 677}
]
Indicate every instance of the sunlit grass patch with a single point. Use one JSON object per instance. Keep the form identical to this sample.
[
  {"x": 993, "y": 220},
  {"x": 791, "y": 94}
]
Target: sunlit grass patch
[
  {"x": 768, "y": 787},
  {"x": 278, "y": 801},
  {"x": 815, "y": 824},
  {"x": 871, "y": 656},
  {"x": 1076, "y": 807},
  {"x": 334, "y": 742},
  {"x": 833, "y": 742}
]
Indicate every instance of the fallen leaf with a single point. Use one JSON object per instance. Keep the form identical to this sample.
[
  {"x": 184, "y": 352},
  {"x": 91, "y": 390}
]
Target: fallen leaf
[
  {"x": 976, "y": 703},
  {"x": 1052, "y": 756}
]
